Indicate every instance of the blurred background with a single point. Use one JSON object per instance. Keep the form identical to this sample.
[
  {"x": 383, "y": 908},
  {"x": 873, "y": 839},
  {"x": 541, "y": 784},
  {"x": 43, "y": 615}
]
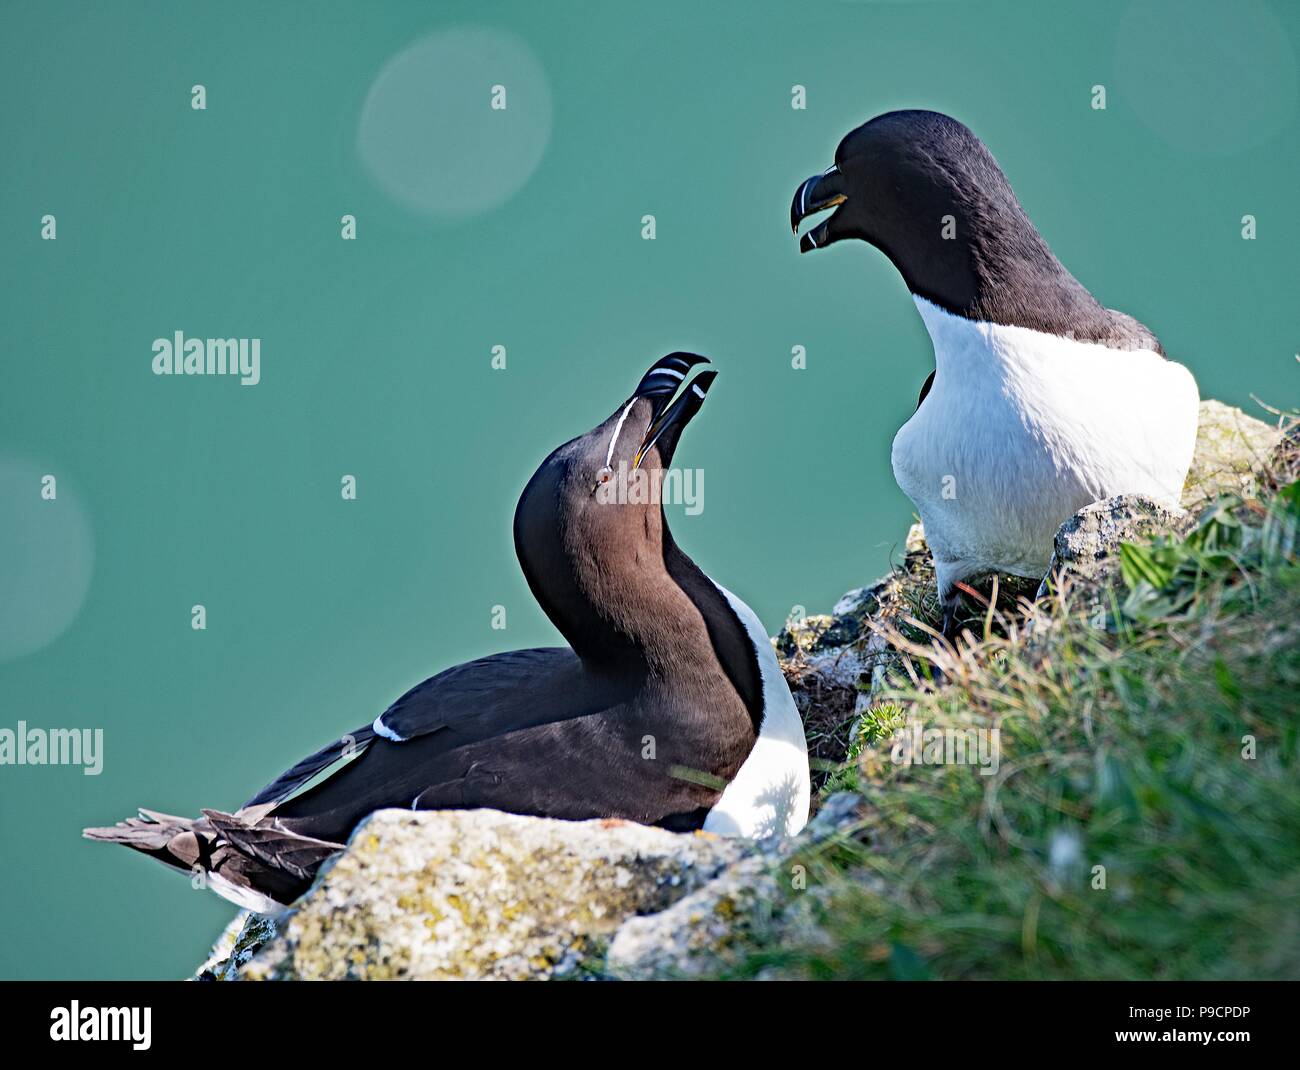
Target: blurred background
[{"x": 519, "y": 228}]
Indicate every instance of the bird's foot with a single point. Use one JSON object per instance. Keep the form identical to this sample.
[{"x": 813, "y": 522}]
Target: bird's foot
[{"x": 949, "y": 627}]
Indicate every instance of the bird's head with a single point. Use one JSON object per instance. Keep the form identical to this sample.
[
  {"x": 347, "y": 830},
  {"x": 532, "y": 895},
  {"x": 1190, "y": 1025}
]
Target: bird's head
[
  {"x": 924, "y": 190},
  {"x": 589, "y": 528}
]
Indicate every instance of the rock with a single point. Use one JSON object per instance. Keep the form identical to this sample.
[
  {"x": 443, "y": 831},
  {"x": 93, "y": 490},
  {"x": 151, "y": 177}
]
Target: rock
[
  {"x": 483, "y": 894},
  {"x": 238, "y": 942},
  {"x": 1284, "y": 464},
  {"x": 1087, "y": 545},
  {"x": 1231, "y": 451},
  {"x": 764, "y": 898}
]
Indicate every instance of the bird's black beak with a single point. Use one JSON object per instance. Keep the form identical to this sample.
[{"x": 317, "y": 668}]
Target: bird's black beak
[
  {"x": 667, "y": 424},
  {"x": 664, "y": 378},
  {"x": 815, "y": 195}
]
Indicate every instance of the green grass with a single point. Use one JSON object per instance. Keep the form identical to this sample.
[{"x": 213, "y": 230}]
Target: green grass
[{"x": 1125, "y": 714}]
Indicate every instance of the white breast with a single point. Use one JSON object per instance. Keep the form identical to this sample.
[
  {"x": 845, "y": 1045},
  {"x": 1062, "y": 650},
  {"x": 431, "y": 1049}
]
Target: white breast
[
  {"x": 770, "y": 794},
  {"x": 1021, "y": 429}
]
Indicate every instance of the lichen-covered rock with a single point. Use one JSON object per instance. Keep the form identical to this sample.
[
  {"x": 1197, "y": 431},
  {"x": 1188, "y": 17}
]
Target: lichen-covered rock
[
  {"x": 483, "y": 894},
  {"x": 1087, "y": 545},
  {"x": 763, "y": 899},
  {"x": 1231, "y": 451},
  {"x": 1284, "y": 464},
  {"x": 239, "y": 941}
]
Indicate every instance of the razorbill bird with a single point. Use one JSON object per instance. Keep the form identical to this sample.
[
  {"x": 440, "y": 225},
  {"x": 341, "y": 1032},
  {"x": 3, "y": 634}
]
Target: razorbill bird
[
  {"x": 667, "y": 707},
  {"x": 1041, "y": 400}
]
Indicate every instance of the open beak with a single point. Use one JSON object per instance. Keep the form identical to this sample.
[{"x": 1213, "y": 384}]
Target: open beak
[
  {"x": 668, "y": 423},
  {"x": 815, "y": 195},
  {"x": 664, "y": 378}
]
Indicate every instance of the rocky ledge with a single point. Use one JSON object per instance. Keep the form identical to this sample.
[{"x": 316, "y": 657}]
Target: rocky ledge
[{"x": 483, "y": 894}]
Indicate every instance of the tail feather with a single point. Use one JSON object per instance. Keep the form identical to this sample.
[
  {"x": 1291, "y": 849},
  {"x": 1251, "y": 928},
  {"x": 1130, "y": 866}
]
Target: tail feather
[
  {"x": 151, "y": 831},
  {"x": 272, "y": 845},
  {"x": 251, "y": 860}
]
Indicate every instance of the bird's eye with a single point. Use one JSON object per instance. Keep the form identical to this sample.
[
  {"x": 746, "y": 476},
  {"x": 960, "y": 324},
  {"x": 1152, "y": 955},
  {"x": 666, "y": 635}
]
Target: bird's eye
[{"x": 603, "y": 476}]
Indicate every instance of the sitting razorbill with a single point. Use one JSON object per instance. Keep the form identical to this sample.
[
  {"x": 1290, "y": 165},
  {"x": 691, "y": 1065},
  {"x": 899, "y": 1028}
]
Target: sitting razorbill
[{"x": 1041, "y": 400}]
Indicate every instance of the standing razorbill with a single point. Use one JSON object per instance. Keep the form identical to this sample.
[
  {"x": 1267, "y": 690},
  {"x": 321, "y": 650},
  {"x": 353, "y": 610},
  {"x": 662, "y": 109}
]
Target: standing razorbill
[
  {"x": 667, "y": 708},
  {"x": 1041, "y": 400}
]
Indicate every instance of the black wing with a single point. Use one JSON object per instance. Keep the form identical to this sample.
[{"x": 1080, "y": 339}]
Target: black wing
[
  {"x": 925, "y": 389},
  {"x": 500, "y": 687},
  {"x": 459, "y": 694},
  {"x": 292, "y": 779},
  {"x": 529, "y": 732}
]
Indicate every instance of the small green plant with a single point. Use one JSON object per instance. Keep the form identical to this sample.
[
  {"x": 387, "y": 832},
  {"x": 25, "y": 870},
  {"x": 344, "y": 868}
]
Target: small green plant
[
  {"x": 1164, "y": 577},
  {"x": 877, "y": 725}
]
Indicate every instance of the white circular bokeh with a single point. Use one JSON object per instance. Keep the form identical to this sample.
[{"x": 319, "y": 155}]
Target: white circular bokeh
[
  {"x": 429, "y": 136},
  {"x": 46, "y": 557},
  {"x": 1211, "y": 78}
]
